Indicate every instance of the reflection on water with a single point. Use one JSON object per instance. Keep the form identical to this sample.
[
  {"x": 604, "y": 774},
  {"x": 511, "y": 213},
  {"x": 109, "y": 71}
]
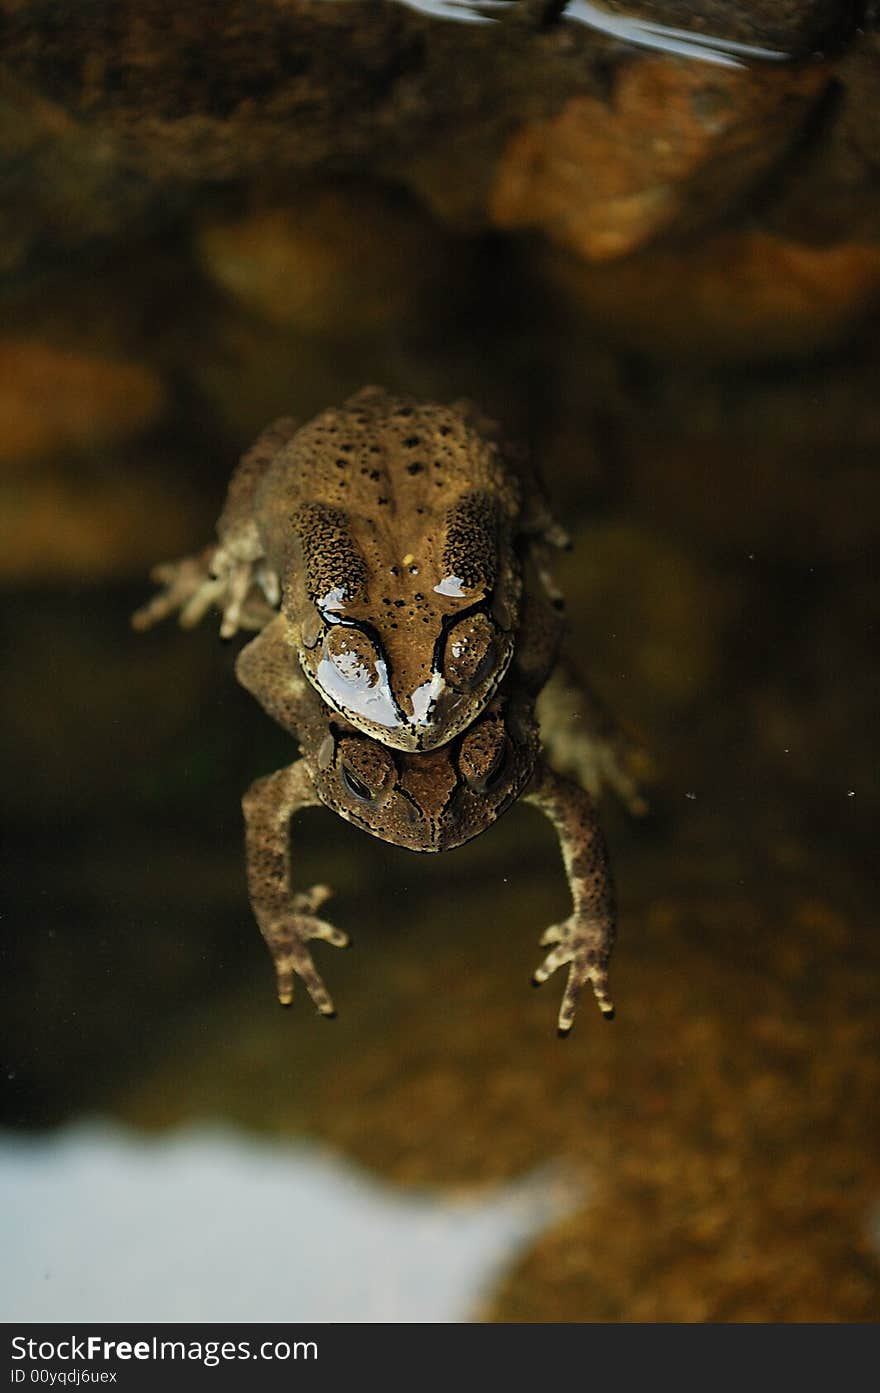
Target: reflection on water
[
  {"x": 684, "y": 43},
  {"x": 98, "y": 1218},
  {"x": 449, "y": 9}
]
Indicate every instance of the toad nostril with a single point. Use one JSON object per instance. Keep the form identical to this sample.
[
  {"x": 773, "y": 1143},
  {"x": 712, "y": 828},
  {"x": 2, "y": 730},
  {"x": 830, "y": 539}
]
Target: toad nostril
[{"x": 409, "y": 811}]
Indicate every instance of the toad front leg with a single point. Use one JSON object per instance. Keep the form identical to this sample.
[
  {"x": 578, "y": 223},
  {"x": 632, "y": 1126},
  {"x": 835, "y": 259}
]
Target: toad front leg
[
  {"x": 585, "y": 939},
  {"x": 233, "y": 576},
  {"x": 287, "y": 920}
]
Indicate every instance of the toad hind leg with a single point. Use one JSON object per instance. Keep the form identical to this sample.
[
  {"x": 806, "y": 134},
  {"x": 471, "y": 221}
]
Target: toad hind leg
[
  {"x": 583, "y": 740},
  {"x": 583, "y": 941},
  {"x": 287, "y": 919}
]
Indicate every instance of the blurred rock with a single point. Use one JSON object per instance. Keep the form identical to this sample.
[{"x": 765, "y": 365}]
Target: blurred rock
[
  {"x": 341, "y": 261},
  {"x": 674, "y": 147},
  {"x": 61, "y": 399},
  {"x": 831, "y": 192},
  {"x": 108, "y": 126},
  {"x": 648, "y": 621},
  {"x": 742, "y": 296},
  {"x": 790, "y": 26},
  {"x": 742, "y": 495},
  {"x": 248, "y": 371},
  {"x": 80, "y": 499},
  {"x": 64, "y": 184},
  {"x": 93, "y": 522}
]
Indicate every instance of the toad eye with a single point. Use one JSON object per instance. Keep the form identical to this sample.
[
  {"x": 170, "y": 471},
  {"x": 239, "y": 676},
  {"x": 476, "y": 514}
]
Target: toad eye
[
  {"x": 484, "y": 754},
  {"x": 356, "y": 786},
  {"x": 498, "y": 770},
  {"x": 366, "y": 770},
  {"x": 353, "y": 656},
  {"x": 471, "y": 653}
]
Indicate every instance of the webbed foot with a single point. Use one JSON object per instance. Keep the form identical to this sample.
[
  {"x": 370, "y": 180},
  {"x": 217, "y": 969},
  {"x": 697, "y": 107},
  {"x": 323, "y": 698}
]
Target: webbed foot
[
  {"x": 585, "y": 945},
  {"x": 620, "y": 761},
  {"x": 585, "y": 742},
  {"x": 287, "y": 935},
  {"x": 246, "y": 592}
]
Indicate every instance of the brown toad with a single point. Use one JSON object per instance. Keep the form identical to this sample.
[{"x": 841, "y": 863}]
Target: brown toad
[
  {"x": 431, "y": 801},
  {"x": 380, "y": 550},
  {"x": 392, "y": 535}
]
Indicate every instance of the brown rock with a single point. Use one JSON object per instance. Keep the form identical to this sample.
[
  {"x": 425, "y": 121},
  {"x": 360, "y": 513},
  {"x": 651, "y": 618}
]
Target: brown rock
[
  {"x": 740, "y": 493},
  {"x": 740, "y": 295},
  {"x": 791, "y": 26},
  {"x": 75, "y": 504},
  {"x": 649, "y": 618},
  {"x": 676, "y": 146},
  {"x": 108, "y": 125},
  {"x": 341, "y": 260},
  {"x": 62, "y": 524},
  {"x": 54, "y": 399},
  {"x": 834, "y": 193}
]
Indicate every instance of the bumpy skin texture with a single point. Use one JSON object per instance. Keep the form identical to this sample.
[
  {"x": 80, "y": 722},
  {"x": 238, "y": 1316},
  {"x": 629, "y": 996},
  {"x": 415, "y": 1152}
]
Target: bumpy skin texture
[
  {"x": 391, "y": 533},
  {"x": 426, "y": 801},
  {"x": 431, "y": 801},
  {"x": 280, "y": 550}
]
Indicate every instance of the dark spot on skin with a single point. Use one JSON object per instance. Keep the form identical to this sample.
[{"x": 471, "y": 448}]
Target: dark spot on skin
[
  {"x": 375, "y": 474},
  {"x": 438, "y": 464},
  {"x": 398, "y": 604},
  {"x": 404, "y": 411},
  {"x": 419, "y": 596},
  {"x": 444, "y": 430},
  {"x": 412, "y": 441},
  {"x": 395, "y": 571},
  {"x": 380, "y": 501},
  {"x": 341, "y": 463},
  {"x": 414, "y": 468}
]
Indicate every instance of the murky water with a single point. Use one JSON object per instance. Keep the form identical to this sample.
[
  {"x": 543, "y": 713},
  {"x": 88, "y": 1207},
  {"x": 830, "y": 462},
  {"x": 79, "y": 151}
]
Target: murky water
[{"x": 704, "y": 411}]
